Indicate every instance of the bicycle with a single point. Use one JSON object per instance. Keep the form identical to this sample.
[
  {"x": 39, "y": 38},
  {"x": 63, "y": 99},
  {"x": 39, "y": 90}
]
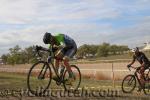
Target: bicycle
[
  {"x": 129, "y": 81},
  {"x": 41, "y": 74}
]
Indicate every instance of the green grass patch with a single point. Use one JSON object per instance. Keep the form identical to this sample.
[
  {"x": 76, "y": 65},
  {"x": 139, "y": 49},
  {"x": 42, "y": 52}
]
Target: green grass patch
[
  {"x": 12, "y": 81},
  {"x": 15, "y": 81}
]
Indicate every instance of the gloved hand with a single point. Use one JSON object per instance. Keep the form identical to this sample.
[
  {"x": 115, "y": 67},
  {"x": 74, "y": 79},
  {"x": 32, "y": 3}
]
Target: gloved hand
[
  {"x": 38, "y": 48},
  {"x": 54, "y": 49},
  {"x": 129, "y": 65},
  {"x": 58, "y": 47}
]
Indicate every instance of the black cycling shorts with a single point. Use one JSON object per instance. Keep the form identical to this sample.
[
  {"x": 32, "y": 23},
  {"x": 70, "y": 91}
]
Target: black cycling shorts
[{"x": 70, "y": 52}]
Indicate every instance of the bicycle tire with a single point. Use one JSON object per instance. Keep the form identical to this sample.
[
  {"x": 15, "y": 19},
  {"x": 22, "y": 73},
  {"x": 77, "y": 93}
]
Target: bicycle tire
[
  {"x": 78, "y": 74},
  {"x": 133, "y": 79},
  {"x": 41, "y": 92}
]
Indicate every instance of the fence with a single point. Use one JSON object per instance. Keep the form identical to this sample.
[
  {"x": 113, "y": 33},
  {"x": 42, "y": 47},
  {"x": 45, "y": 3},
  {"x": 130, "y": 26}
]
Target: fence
[{"x": 103, "y": 71}]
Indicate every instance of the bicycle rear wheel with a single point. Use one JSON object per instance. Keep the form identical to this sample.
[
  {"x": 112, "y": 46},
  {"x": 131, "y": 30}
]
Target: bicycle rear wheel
[
  {"x": 76, "y": 83},
  {"x": 128, "y": 84},
  {"x": 39, "y": 78}
]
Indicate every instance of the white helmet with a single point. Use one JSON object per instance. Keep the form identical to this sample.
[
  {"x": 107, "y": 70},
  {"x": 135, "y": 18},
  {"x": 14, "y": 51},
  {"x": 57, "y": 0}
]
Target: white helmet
[{"x": 135, "y": 49}]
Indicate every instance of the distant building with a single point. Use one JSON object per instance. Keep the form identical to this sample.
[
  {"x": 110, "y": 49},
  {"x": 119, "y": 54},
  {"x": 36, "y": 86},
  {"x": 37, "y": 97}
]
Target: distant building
[{"x": 146, "y": 47}]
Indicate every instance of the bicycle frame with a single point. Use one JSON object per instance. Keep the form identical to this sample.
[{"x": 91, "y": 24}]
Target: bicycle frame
[
  {"x": 50, "y": 59},
  {"x": 54, "y": 68},
  {"x": 136, "y": 75}
]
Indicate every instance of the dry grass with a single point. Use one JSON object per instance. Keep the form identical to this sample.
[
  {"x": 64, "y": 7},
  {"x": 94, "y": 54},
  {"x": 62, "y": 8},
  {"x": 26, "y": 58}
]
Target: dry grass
[{"x": 99, "y": 71}]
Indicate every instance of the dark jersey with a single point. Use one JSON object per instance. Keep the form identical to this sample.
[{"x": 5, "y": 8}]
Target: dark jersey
[{"x": 141, "y": 58}]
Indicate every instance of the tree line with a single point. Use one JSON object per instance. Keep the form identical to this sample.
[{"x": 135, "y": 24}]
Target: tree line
[
  {"x": 17, "y": 55},
  {"x": 101, "y": 50}
]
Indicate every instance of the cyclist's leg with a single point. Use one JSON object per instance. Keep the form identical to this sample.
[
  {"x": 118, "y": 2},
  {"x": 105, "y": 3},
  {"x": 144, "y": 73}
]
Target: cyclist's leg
[
  {"x": 138, "y": 71},
  {"x": 58, "y": 55},
  {"x": 139, "y": 78},
  {"x": 67, "y": 65},
  {"x": 56, "y": 62},
  {"x": 69, "y": 54},
  {"x": 142, "y": 70},
  {"x": 146, "y": 66},
  {"x": 142, "y": 75}
]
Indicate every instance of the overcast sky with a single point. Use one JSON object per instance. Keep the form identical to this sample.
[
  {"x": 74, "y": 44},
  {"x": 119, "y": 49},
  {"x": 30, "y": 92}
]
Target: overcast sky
[{"x": 24, "y": 22}]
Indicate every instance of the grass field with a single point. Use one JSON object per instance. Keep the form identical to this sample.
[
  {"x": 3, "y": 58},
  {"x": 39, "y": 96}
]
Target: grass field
[
  {"x": 94, "y": 75},
  {"x": 13, "y": 81},
  {"x": 111, "y": 58}
]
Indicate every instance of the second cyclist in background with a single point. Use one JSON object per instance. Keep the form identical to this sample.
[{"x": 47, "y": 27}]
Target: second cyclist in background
[{"x": 145, "y": 64}]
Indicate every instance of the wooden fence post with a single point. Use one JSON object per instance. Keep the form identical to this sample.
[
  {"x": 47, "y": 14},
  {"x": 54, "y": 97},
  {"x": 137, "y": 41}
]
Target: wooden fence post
[{"x": 113, "y": 76}]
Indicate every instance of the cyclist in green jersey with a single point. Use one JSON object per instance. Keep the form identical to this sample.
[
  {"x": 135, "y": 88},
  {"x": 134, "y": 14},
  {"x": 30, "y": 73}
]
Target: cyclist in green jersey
[{"x": 65, "y": 48}]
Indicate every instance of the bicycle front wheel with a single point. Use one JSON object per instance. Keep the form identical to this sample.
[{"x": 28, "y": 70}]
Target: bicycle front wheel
[
  {"x": 77, "y": 79},
  {"x": 128, "y": 84},
  {"x": 39, "y": 78}
]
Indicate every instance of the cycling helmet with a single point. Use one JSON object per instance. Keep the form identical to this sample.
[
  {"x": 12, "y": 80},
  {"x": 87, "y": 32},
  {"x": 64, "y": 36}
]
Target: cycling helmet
[
  {"x": 47, "y": 38},
  {"x": 135, "y": 49}
]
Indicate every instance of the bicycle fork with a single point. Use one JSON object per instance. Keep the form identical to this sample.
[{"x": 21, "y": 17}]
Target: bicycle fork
[
  {"x": 130, "y": 81},
  {"x": 42, "y": 72}
]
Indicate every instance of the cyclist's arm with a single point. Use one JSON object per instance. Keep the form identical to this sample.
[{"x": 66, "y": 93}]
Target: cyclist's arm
[
  {"x": 142, "y": 66},
  {"x": 62, "y": 45},
  {"x": 133, "y": 60},
  {"x": 42, "y": 48},
  {"x": 53, "y": 47},
  {"x": 143, "y": 60},
  {"x": 45, "y": 49}
]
